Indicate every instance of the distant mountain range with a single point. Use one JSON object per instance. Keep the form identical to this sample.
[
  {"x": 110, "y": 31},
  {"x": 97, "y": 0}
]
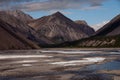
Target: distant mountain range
[
  {"x": 20, "y": 31},
  {"x": 107, "y": 36}
]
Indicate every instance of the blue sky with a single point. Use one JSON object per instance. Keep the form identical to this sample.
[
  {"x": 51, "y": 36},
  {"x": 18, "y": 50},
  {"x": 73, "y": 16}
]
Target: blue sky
[{"x": 95, "y": 12}]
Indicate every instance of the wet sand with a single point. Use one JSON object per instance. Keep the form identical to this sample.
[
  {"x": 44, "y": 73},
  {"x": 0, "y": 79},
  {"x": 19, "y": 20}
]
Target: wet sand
[{"x": 57, "y": 64}]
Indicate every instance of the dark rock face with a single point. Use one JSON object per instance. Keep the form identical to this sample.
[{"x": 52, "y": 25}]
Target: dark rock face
[
  {"x": 110, "y": 29},
  {"x": 58, "y": 28},
  {"x": 11, "y": 38},
  {"x": 85, "y": 27},
  {"x": 17, "y": 24}
]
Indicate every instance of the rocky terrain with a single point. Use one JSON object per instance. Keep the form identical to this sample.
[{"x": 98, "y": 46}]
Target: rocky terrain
[
  {"x": 59, "y": 29},
  {"x": 12, "y": 39},
  {"x": 52, "y": 29},
  {"x": 99, "y": 42},
  {"x": 110, "y": 29},
  {"x": 60, "y": 64},
  {"x": 85, "y": 27},
  {"x": 17, "y": 26},
  {"x": 20, "y": 15},
  {"x": 107, "y": 36}
]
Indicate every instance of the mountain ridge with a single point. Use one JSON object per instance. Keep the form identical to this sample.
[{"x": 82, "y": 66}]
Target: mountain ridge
[
  {"x": 59, "y": 27},
  {"x": 11, "y": 39},
  {"x": 85, "y": 27},
  {"x": 54, "y": 30},
  {"x": 23, "y": 29},
  {"x": 108, "y": 36},
  {"x": 20, "y": 15},
  {"x": 111, "y": 28}
]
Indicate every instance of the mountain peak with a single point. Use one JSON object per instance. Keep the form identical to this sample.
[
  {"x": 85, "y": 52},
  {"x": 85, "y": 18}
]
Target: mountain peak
[
  {"x": 17, "y": 11},
  {"x": 57, "y": 14},
  {"x": 85, "y": 27},
  {"x": 58, "y": 28},
  {"x": 81, "y": 22},
  {"x": 20, "y": 15}
]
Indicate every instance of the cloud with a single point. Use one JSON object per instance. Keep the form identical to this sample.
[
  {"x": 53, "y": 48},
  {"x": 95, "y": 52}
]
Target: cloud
[
  {"x": 90, "y": 8},
  {"x": 8, "y": 1},
  {"x": 35, "y": 5},
  {"x": 9, "y": 4},
  {"x": 99, "y": 25}
]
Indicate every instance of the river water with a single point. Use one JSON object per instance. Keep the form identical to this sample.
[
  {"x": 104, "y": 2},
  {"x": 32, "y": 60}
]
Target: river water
[{"x": 57, "y": 64}]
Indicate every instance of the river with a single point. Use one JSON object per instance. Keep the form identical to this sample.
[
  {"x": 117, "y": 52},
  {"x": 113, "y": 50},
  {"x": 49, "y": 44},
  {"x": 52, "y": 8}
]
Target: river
[{"x": 58, "y": 64}]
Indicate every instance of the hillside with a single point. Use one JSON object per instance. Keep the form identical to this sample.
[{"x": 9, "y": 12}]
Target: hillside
[
  {"x": 10, "y": 39},
  {"x": 107, "y": 36},
  {"x": 58, "y": 28},
  {"x": 25, "y": 18},
  {"x": 110, "y": 29},
  {"x": 85, "y": 27},
  {"x": 23, "y": 28}
]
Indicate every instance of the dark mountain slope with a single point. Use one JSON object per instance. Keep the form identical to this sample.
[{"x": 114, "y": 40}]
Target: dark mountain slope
[
  {"x": 23, "y": 28},
  {"x": 110, "y": 29},
  {"x": 11, "y": 39},
  {"x": 85, "y": 27},
  {"x": 15, "y": 22}
]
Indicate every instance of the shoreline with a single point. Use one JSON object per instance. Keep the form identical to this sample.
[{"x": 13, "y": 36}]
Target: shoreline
[{"x": 65, "y": 49}]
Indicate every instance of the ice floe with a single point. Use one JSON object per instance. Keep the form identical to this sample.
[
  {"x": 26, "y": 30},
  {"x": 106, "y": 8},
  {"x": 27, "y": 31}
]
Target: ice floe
[
  {"x": 72, "y": 51},
  {"x": 26, "y": 61},
  {"x": 80, "y": 62},
  {"x": 26, "y": 65},
  {"x": 22, "y": 56}
]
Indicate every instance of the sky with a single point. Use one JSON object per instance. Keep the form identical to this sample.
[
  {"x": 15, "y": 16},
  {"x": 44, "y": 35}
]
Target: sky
[{"x": 95, "y": 12}]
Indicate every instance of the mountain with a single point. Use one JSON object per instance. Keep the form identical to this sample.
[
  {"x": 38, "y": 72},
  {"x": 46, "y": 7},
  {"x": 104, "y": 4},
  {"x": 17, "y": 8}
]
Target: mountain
[
  {"x": 15, "y": 22},
  {"x": 107, "y": 36},
  {"x": 58, "y": 28},
  {"x": 10, "y": 38},
  {"x": 110, "y": 29},
  {"x": 20, "y": 31},
  {"x": 85, "y": 27},
  {"x": 23, "y": 28},
  {"x": 20, "y": 15}
]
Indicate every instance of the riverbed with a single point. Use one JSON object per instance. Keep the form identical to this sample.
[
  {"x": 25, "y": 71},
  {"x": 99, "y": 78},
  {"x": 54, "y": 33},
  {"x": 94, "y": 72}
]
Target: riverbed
[{"x": 58, "y": 64}]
